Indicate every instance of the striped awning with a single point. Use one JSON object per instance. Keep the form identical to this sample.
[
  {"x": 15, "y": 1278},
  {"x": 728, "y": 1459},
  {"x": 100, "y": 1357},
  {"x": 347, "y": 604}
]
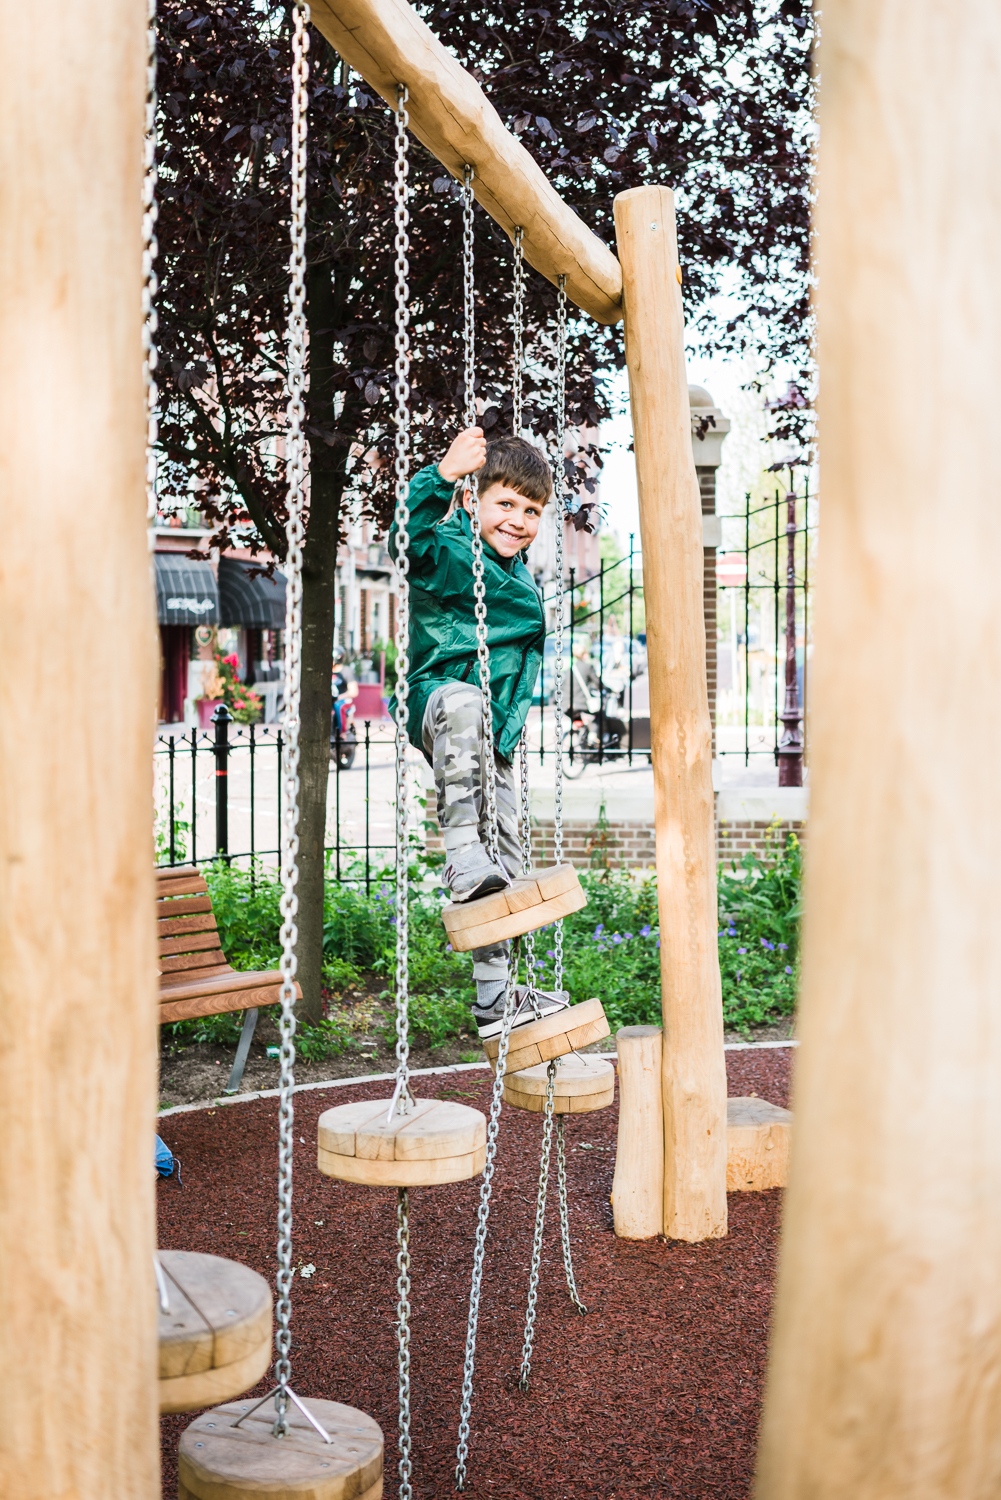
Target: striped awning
[
  {"x": 255, "y": 603},
  {"x": 186, "y": 590}
]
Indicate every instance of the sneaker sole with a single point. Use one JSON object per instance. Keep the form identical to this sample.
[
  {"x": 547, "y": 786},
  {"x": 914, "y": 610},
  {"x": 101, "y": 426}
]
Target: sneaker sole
[{"x": 486, "y": 887}]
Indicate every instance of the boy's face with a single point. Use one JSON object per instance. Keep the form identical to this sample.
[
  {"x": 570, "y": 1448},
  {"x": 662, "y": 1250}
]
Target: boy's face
[{"x": 509, "y": 521}]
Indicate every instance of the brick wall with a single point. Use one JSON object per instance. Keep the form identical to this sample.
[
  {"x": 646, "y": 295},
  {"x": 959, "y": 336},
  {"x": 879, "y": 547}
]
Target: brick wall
[{"x": 734, "y": 840}]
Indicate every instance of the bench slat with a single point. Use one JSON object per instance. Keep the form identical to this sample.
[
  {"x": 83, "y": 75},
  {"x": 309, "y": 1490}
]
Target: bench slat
[
  {"x": 181, "y": 906},
  {"x": 191, "y": 885},
  {"x": 173, "y": 963},
  {"x": 216, "y": 1004},
  {"x": 236, "y": 979},
  {"x": 176, "y": 872},
  {"x": 193, "y": 943},
  {"x": 202, "y": 922},
  {"x": 170, "y": 983}
]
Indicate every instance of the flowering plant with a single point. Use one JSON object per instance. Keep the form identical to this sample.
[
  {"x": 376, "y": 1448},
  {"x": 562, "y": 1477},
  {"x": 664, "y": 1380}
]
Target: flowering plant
[{"x": 244, "y": 704}]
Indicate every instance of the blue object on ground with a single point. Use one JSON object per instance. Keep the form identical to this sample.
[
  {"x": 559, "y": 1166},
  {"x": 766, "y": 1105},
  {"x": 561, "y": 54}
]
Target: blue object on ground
[{"x": 165, "y": 1160}]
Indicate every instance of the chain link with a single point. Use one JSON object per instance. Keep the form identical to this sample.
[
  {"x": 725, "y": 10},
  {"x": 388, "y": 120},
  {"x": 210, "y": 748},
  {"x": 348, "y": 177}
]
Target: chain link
[
  {"x": 482, "y": 1218},
  {"x": 402, "y": 1098},
  {"x": 540, "y": 1224},
  {"x": 559, "y": 477},
  {"x": 403, "y": 1336},
  {"x": 561, "y": 1177},
  {"x": 479, "y": 586},
  {"x": 518, "y": 332},
  {"x": 149, "y": 279},
  {"x": 295, "y": 449}
]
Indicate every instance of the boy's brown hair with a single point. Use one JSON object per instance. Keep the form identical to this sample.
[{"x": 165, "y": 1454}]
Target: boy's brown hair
[{"x": 519, "y": 465}]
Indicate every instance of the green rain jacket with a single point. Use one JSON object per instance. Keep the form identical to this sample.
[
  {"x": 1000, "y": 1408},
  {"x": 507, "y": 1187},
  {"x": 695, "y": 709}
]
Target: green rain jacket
[{"x": 443, "y": 622}]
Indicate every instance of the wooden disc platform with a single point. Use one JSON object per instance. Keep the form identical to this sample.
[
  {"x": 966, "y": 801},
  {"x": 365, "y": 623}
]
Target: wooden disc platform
[
  {"x": 528, "y": 904},
  {"x": 582, "y": 1084},
  {"x": 437, "y": 1141},
  {"x": 217, "y": 1461},
  {"x": 553, "y": 1036},
  {"x": 216, "y": 1340}
]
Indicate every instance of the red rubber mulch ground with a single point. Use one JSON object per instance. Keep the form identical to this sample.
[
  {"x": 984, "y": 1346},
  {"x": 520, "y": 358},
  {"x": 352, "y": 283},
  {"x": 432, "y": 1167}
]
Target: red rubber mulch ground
[{"x": 655, "y": 1392}]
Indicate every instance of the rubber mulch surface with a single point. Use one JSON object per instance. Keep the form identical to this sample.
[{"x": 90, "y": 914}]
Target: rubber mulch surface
[{"x": 655, "y": 1392}]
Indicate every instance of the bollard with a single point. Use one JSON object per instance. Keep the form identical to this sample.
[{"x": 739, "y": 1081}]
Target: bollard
[{"x": 222, "y": 718}]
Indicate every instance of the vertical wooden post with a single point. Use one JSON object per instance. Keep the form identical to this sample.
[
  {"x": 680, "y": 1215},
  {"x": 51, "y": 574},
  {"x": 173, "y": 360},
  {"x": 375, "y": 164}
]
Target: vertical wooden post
[
  {"x": 638, "y": 1184},
  {"x": 681, "y": 734},
  {"x": 78, "y": 1355},
  {"x": 885, "y": 1376}
]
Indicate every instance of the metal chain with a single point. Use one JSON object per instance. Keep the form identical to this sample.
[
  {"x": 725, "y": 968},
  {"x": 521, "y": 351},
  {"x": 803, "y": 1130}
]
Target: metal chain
[
  {"x": 518, "y": 332},
  {"x": 403, "y": 1336},
  {"x": 540, "y": 1223},
  {"x": 295, "y": 449},
  {"x": 561, "y": 1176},
  {"x": 559, "y": 477},
  {"x": 150, "y": 284},
  {"x": 402, "y": 1099},
  {"x": 482, "y": 1218},
  {"x": 479, "y": 586},
  {"x": 526, "y": 858}
]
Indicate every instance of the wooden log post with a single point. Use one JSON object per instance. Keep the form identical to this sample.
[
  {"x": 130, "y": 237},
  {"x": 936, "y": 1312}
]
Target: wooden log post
[
  {"x": 78, "y": 1345},
  {"x": 885, "y": 1371},
  {"x": 638, "y": 1184},
  {"x": 681, "y": 734}
]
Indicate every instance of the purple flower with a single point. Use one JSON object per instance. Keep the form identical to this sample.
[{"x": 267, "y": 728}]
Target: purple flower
[
  {"x": 616, "y": 937},
  {"x": 599, "y": 929},
  {"x": 658, "y": 942},
  {"x": 626, "y": 936},
  {"x": 550, "y": 953},
  {"x": 766, "y": 944},
  {"x": 741, "y": 950},
  {"x": 448, "y": 947},
  {"x": 738, "y": 976},
  {"x": 788, "y": 970},
  {"x": 645, "y": 931},
  {"x": 783, "y": 947}
]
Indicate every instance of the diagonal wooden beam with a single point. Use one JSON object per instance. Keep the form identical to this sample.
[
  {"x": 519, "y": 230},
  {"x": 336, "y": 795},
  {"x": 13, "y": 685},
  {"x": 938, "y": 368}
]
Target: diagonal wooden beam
[{"x": 388, "y": 44}]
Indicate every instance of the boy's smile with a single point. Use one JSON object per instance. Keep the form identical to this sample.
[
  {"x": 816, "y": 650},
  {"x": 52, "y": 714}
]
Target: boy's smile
[{"x": 509, "y": 520}]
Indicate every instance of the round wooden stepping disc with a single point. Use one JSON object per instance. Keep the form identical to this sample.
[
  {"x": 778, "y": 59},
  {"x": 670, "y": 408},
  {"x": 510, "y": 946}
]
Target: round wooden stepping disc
[
  {"x": 215, "y": 1342},
  {"x": 437, "y": 1141},
  {"x": 554, "y": 1036},
  {"x": 582, "y": 1084},
  {"x": 217, "y": 1461},
  {"x": 528, "y": 903}
]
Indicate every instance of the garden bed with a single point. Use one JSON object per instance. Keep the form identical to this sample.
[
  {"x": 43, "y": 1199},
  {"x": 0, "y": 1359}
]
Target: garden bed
[{"x": 656, "y": 1392}]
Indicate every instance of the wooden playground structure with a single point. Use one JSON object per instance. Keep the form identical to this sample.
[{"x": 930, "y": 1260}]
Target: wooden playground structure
[{"x": 886, "y": 1349}]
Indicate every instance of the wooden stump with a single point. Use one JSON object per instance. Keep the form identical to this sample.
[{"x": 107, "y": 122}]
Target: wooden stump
[
  {"x": 553, "y": 1036},
  {"x": 217, "y": 1461},
  {"x": 437, "y": 1141},
  {"x": 638, "y": 1184},
  {"x": 583, "y": 1084},
  {"x": 528, "y": 904},
  {"x": 215, "y": 1340},
  {"x": 758, "y": 1143}
]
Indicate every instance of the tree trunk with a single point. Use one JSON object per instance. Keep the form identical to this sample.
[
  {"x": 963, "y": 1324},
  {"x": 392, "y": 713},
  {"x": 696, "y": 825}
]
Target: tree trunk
[{"x": 319, "y": 566}]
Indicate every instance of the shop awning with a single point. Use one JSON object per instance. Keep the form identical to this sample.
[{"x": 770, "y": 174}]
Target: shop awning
[
  {"x": 186, "y": 591},
  {"x": 255, "y": 603}
]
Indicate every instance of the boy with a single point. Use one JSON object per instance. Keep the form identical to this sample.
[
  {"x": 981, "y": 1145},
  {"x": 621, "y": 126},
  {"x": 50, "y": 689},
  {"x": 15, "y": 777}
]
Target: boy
[{"x": 445, "y": 704}]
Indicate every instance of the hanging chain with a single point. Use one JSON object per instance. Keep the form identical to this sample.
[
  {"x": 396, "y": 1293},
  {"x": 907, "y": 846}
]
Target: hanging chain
[
  {"x": 561, "y": 1175},
  {"x": 295, "y": 448},
  {"x": 526, "y": 863},
  {"x": 403, "y": 1336},
  {"x": 482, "y": 1217},
  {"x": 518, "y": 332},
  {"x": 540, "y": 1222},
  {"x": 559, "y": 477},
  {"x": 150, "y": 285},
  {"x": 402, "y": 1099},
  {"x": 479, "y": 586}
]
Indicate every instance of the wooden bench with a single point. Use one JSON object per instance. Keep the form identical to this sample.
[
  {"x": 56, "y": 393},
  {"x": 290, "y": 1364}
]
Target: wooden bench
[{"x": 195, "y": 979}]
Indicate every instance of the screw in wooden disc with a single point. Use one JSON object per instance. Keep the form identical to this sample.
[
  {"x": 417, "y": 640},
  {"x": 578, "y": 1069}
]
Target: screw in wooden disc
[
  {"x": 437, "y": 1141},
  {"x": 531, "y": 902},
  {"x": 217, "y": 1461},
  {"x": 554, "y": 1036},
  {"x": 582, "y": 1084},
  {"x": 215, "y": 1340}
]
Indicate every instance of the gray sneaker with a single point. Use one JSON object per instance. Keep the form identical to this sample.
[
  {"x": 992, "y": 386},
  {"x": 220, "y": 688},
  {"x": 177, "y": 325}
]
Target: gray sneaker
[
  {"x": 542, "y": 1003},
  {"x": 470, "y": 872}
]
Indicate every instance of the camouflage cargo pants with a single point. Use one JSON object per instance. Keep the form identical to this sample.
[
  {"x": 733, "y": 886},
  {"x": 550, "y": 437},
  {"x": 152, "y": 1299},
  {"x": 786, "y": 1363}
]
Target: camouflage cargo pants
[{"x": 453, "y": 736}]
